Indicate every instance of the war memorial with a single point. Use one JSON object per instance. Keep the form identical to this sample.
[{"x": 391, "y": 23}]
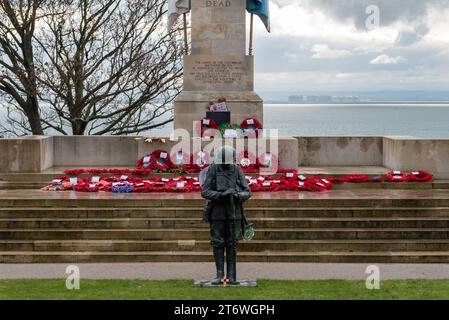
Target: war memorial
[{"x": 373, "y": 199}]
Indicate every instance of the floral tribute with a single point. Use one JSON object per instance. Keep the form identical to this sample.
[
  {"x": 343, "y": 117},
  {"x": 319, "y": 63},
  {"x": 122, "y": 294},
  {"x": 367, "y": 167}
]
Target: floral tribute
[
  {"x": 139, "y": 172},
  {"x": 205, "y": 125},
  {"x": 286, "y": 180},
  {"x": 251, "y": 125},
  {"x": 268, "y": 161},
  {"x": 198, "y": 162},
  {"x": 160, "y": 161},
  {"x": 228, "y": 130},
  {"x": 180, "y": 158},
  {"x": 397, "y": 176},
  {"x": 419, "y": 176},
  {"x": 248, "y": 162}
]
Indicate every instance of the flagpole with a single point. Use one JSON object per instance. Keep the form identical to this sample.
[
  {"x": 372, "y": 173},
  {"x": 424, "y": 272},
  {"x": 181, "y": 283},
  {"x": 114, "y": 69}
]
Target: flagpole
[
  {"x": 251, "y": 34},
  {"x": 186, "y": 44}
]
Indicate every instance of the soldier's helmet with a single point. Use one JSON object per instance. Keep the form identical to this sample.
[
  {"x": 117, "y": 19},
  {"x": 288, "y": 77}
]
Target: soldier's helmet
[{"x": 225, "y": 155}]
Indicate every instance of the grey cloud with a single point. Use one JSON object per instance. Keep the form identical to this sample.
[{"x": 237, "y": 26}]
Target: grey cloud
[
  {"x": 407, "y": 38},
  {"x": 424, "y": 64},
  {"x": 354, "y": 10}
]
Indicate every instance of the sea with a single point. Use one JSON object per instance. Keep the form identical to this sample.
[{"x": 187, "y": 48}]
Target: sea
[
  {"x": 417, "y": 120},
  {"x": 405, "y": 119},
  {"x": 423, "y": 120}
]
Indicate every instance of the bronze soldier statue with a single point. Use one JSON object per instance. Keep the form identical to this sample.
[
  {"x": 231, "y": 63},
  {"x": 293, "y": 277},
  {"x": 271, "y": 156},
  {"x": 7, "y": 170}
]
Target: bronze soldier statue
[{"x": 226, "y": 189}]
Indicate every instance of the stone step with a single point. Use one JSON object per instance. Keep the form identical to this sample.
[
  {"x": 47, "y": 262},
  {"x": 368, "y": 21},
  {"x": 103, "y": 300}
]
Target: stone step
[
  {"x": 183, "y": 256},
  {"x": 47, "y": 177},
  {"x": 193, "y": 212},
  {"x": 196, "y": 223},
  {"x": 13, "y": 185},
  {"x": 330, "y": 199},
  {"x": 203, "y": 234},
  {"x": 128, "y": 200},
  {"x": 438, "y": 185},
  {"x": 204, "y": 245}
]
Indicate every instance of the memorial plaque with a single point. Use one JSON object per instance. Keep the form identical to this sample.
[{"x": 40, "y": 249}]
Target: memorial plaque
[{"x": 218, "y": 64}]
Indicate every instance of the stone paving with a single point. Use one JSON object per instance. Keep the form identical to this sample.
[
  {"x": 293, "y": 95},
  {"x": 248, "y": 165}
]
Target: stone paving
[{"x": 278, "y": 271}]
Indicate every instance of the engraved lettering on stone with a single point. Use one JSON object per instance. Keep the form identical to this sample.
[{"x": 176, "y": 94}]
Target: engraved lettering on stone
[
  {"x": 219, "y": 72},
  {"x": 211, "y": 3}
]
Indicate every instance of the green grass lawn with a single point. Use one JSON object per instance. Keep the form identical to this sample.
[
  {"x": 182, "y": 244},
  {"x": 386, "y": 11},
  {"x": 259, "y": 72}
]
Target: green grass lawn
[{"x": 184, "y": 289}]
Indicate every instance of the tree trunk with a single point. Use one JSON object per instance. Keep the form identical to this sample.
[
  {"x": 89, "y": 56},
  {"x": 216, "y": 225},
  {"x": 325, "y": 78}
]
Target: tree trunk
[{"x": 33, "y": 116}]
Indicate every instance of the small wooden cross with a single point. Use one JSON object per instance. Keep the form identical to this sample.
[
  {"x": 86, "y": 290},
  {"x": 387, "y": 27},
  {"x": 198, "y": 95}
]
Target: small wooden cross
[{"x": 225, "y": 281}]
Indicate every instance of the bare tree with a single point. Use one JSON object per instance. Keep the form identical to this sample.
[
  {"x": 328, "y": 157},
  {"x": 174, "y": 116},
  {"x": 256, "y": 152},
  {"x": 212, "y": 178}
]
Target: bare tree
[
  {"x": 18, "y": 85},
  {"x": 107, "y": 66}
]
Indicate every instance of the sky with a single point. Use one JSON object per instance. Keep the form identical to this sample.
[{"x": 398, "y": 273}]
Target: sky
[{"x": 337, "y": 45}]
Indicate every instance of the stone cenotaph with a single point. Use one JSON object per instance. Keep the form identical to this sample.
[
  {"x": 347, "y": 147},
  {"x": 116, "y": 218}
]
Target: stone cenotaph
[{"x": 218, "y": 65}]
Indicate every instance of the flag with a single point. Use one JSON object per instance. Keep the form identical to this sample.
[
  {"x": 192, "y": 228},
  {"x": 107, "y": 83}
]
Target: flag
[
  {"x": 175, "y": 9},
  {"x": 260, "y": 8}
]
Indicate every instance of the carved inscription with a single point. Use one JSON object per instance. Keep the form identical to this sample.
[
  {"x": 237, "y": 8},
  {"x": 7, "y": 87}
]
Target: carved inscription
[
  {"x": 212, "y": 3},
  {"x": 218, "y": 72}
]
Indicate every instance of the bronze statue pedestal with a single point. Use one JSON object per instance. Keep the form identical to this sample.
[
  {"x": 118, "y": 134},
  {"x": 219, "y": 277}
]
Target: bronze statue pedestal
[{"x": 241, "y": 283}]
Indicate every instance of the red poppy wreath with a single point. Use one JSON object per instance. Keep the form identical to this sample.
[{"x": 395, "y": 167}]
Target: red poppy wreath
[
  {"x": 160, "y": 160},
  {"x": 206, "y": 124},
  {"x": 397, "y": 176},
  {"x": 251, "y": 125},
  {"x": 248, "y": 162},
  {"x": 419, "y": 176}
]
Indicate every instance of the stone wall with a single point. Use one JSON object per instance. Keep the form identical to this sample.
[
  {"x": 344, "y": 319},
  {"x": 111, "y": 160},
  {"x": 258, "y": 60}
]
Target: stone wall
[
  {"x": 37, "y": 153},
  {"x": 94, "y": 151},
  {"x": 403, "y": 153},
  {"x": 340, "y": 151},
  {"x": 27, "y": 154}
]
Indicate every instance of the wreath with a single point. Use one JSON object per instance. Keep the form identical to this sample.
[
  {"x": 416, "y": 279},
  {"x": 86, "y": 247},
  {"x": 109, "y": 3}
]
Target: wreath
[
  {"x": 268, "y": 185},
  {"x": 160, "y": 160},
  {"x": 206, "y": 124},
  {"x": 195, "y": 185},
  {"x": 268, "y": 161},
  {"x": 198, "y": 162},
  {"x": 86, "y": 187},
  {"x": 227, "y": 126},
  {"x": 289, "y": 174},
  {"x": 280, "y": 184},
  {"x": 58, "y": 185},
  {"x": 289, "y": 181},
  {"x": 160, "y": 184},
  {"x": 179, "y": 185},
  {"x": 419, "y": 176},
  {"x": 180, "y": 158},
  {"x": 397, "y": 176},
  {"x": 253, "y": 184},
  {"x": 142, "y": 187},
  {"x": 144, "y": 162},
  {"x": 122, "y": 187},
  {"x": 251, "y": 125},
  {"x": 317, "y": 185},
  {"x": 248, "y": 162}
]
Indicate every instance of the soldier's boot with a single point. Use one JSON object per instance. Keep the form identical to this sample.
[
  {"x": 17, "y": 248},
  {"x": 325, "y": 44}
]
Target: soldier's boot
[
  {"x": 219, "y": 265},
  {"x": 231, "y": 265}
]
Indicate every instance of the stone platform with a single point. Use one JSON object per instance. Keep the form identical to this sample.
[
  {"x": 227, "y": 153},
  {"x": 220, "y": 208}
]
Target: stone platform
[
  {"x": 38, "y": 180},
  {"x": 362, "y": 225},
  {"x": 35, "y": 154}
]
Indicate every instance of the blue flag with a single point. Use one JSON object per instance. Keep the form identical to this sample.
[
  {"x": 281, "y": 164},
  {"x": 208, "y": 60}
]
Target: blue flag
[{"x": 260, "y": 8}]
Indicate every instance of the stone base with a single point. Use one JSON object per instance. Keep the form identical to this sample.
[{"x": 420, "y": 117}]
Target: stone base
[
  {"x": 241, "y": 283},
  {"x": 191, "y": 106}
]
